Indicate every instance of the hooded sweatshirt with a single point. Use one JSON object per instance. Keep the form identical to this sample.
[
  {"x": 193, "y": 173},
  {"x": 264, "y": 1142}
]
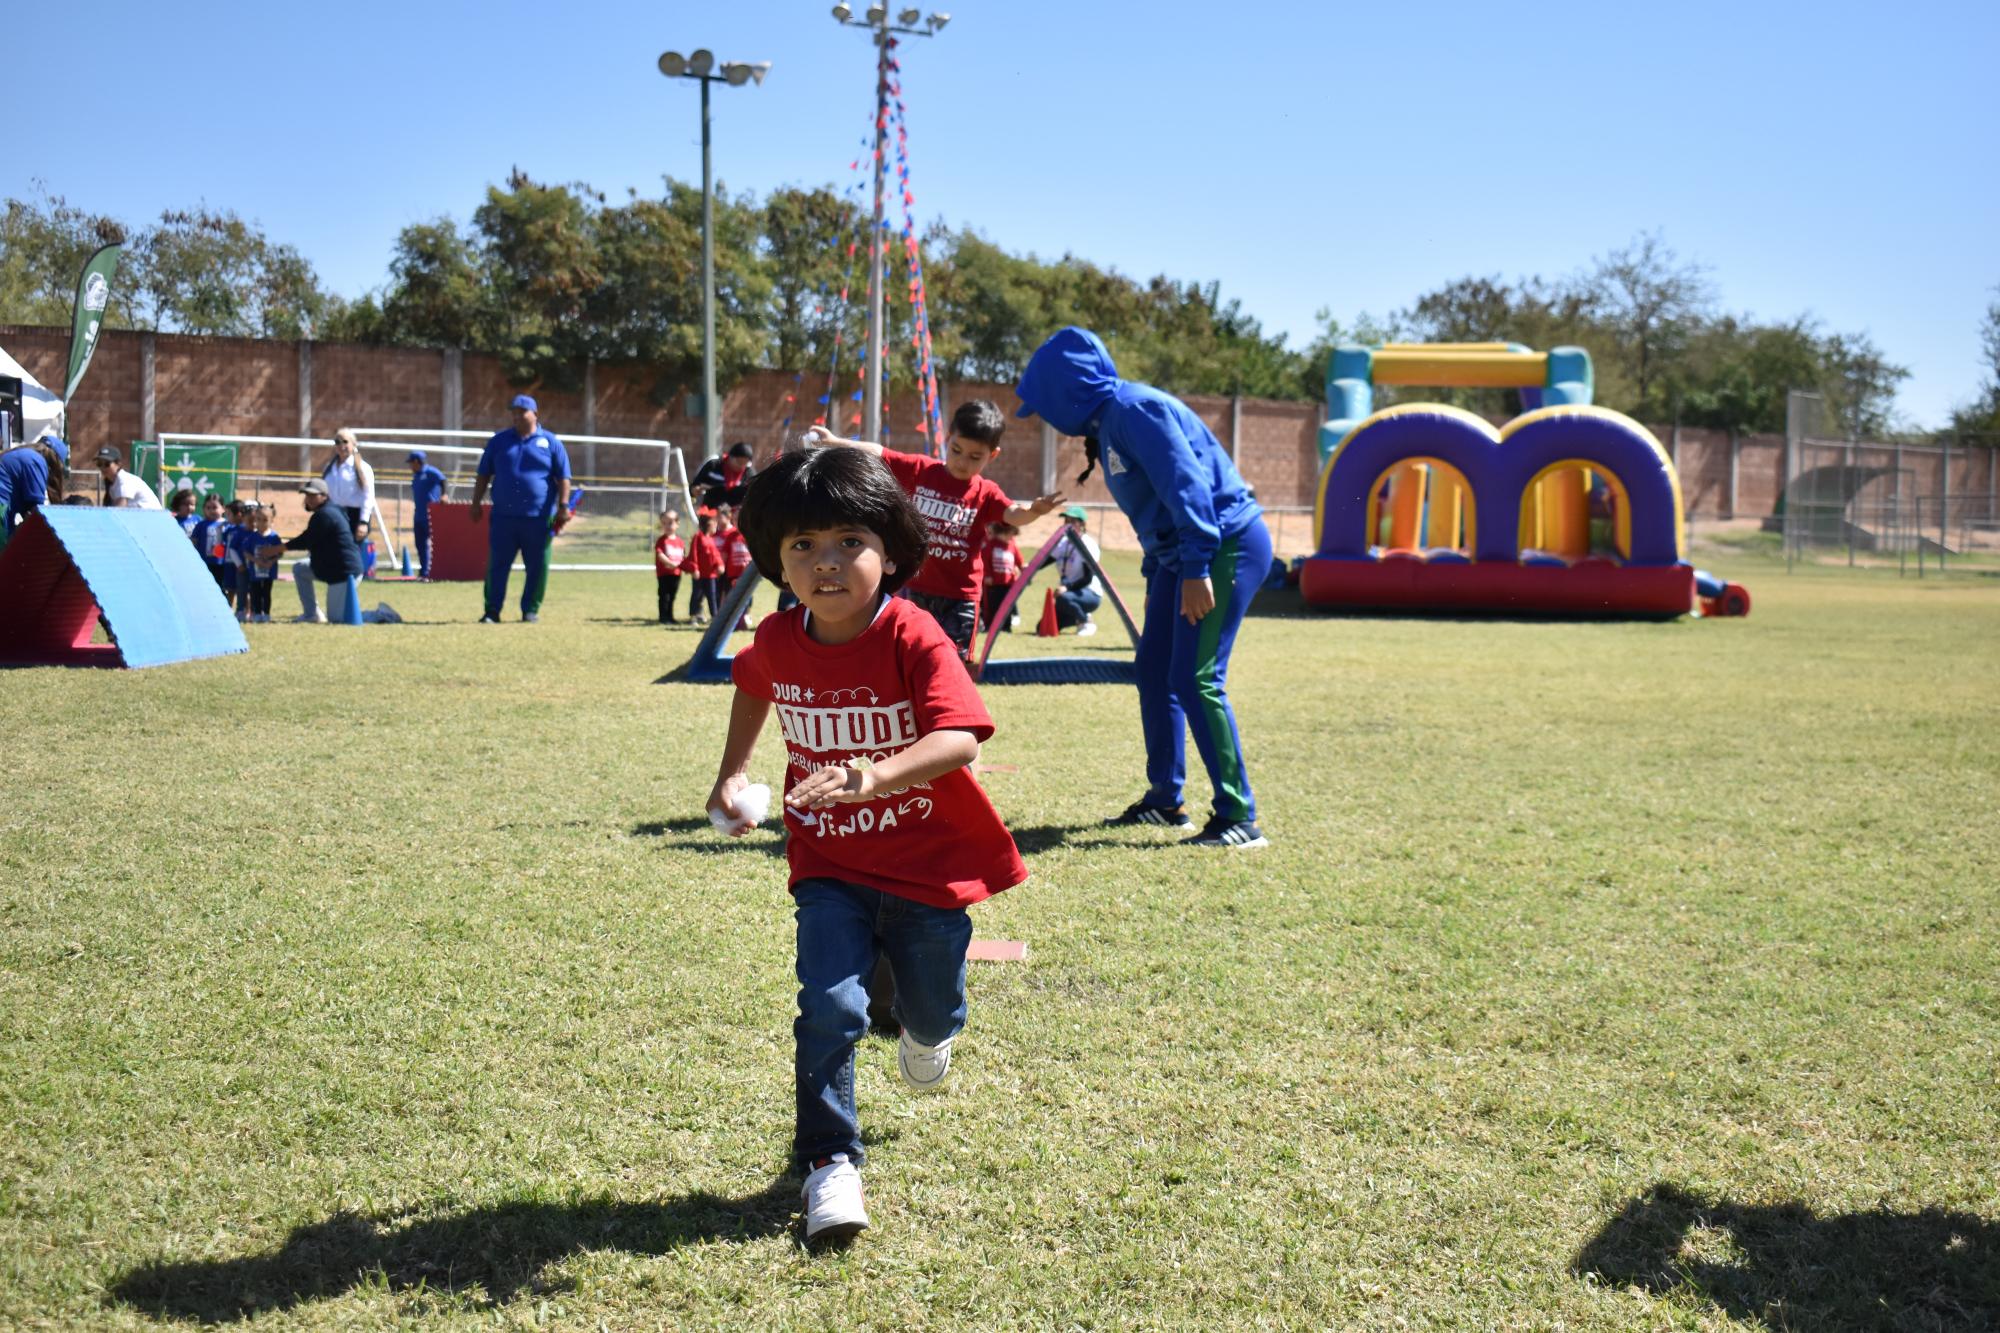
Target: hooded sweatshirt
[{"x": 1165, "y": 469}]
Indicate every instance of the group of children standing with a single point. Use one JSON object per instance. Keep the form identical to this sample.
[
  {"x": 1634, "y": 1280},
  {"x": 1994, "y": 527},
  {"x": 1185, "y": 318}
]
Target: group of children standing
[
  {"x": 227, "y": 537},
  {"x": 713, "y": 561}
]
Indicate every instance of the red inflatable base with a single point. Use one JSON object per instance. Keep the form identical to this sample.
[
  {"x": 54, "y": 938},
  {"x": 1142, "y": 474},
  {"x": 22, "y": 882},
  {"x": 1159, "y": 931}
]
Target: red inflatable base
[{"x": 1589, "y": 588}]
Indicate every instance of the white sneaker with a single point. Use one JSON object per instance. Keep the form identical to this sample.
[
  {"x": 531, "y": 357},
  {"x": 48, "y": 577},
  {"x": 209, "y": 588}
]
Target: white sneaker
[
  {"x": 923, "y": 1067},
  {"x": 308, "y": 620},
  {"x": 1086, "y": 629},
  {"x": 834, "y": 1209}
]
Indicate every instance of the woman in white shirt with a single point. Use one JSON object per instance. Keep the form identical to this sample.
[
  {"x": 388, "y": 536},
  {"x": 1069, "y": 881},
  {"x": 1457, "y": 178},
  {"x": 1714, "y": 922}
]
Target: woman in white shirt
[{"x": 350, "y": 482}]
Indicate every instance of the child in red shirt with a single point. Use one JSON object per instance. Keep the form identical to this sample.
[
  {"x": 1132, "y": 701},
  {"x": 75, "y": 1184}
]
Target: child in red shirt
[
  {"x": 891, "y": 838},
  {"x": 735, "y": 558},
  {"x": 956, "y": 503},
  {"x": 705, "y": 563},
  {"x": 1002, "y": 558},
  {"x": 669, "y": 554}
]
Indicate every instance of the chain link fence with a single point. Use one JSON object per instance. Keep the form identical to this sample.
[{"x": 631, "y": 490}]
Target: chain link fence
[{"x": 1921, "y": 508}]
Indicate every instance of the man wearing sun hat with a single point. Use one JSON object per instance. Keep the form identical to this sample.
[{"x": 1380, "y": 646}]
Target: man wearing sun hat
[{"x": 528, "y": 472}]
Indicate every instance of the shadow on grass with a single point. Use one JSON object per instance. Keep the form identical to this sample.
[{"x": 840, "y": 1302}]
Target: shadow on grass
[
  {"x": 493, "y": 1254},
  {"x": 1036, "y": 838},
  {"x": 698, "y": 835},
  {"x": 1787, "y": 1267}
]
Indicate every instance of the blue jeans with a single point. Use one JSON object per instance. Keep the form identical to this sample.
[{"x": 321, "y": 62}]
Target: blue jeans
[
  {"x": 841, "y": 929},
  {"x": 1073, "y": 607}
]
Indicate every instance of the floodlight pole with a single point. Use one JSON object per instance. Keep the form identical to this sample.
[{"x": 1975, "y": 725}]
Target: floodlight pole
[
  {"x": 711, "y": 432},
  {"x": 879, "y": 28},
  {"x": 698, "y": 67}
]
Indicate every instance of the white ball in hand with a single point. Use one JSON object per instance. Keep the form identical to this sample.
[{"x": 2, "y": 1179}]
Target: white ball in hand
[{"x": 751, "y": 805}]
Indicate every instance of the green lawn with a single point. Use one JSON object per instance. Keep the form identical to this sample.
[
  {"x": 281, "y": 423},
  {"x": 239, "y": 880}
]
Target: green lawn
[{"x": 1601, "y": 976}]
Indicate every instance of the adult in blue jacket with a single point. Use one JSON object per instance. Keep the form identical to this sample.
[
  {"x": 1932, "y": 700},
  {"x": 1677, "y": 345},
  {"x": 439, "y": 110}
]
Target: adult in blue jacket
[
  {"x": 426, "y": 489},
  {"x": 528, "y": 471},
  {"x": 1206, "y": 553},
  {"x": 30, "y": 476}
]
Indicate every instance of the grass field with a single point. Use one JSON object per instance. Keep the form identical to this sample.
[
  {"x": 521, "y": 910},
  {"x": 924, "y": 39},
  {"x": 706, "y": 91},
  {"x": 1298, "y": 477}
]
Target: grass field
[{"x": 1601, "y": 976}]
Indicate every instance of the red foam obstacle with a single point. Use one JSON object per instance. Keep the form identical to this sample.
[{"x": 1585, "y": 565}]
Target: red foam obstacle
[
  {"x": 458, "y": 545},
  {"x": 66, "y": 566}
]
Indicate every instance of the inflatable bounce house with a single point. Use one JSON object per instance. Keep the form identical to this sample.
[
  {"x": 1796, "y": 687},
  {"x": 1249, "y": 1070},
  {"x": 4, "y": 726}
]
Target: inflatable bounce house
[{"x": 1568, "y": 509}]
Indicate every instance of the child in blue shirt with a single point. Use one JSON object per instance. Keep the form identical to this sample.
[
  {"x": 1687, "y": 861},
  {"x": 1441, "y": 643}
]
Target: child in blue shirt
[{"x": 263, "y": 574}]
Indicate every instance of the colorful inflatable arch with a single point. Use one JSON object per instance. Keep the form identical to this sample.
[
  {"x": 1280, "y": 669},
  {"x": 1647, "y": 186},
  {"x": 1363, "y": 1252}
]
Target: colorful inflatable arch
[{"x": 1429, "y": 507}]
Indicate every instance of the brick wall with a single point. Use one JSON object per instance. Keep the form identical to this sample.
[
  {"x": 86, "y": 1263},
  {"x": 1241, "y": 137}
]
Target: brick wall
[{"x": 242, "y": 386}]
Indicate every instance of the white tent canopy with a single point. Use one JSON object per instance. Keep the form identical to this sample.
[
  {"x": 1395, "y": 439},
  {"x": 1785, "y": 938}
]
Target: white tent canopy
[{"x": 39, "y": 407}]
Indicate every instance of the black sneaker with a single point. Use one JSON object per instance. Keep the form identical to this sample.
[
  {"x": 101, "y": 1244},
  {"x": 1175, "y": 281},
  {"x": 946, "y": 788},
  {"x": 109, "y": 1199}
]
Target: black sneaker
[
  {"x": 1159, "y": 816},
  {"x": 1239, "y": 835}
]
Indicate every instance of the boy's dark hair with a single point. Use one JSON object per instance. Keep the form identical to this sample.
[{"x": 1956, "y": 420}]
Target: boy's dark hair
[
  {"x": 740, "y": 449},
  {"x": 979, "y": 421},
  {"x": 182, "y": 494},
  {"x": 810, "y": 489}
]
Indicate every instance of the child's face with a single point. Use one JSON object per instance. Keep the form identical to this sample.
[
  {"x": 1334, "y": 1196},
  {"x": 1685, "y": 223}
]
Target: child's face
[
  {"x": 966, "y": 459},
  {"x": 836, "y": 572},
  {"x": 212, "y": 509},
  {"x": 184, "y": 505},
  {"x": 260, "y": 519},
  {"x": 669, "y": 521}
]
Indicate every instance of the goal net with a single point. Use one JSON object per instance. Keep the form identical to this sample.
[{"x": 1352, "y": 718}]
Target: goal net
[{"x": 626, "y": 483}]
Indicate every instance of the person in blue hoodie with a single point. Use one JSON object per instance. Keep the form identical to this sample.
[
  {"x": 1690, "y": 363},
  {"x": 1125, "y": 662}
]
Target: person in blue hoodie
[
  {"x": 1206, "y": 553},
  {"x": 31, "y": 475}
]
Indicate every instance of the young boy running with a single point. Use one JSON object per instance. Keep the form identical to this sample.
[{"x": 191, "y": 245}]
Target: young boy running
[
  {"x": 957, "y": 504},
  {"x": 891, "y": 838}
]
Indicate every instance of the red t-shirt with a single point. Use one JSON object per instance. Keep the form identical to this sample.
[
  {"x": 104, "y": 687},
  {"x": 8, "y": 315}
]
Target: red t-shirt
[
  {"x": 955, "y": 517},
  {"x": 1003, "y": 563},
  {"x": 940, "y": 843},
  {"x": 735, "y": 552},
  {"x": 669, "y": 554},
  {"x": 705, "y": 555}
]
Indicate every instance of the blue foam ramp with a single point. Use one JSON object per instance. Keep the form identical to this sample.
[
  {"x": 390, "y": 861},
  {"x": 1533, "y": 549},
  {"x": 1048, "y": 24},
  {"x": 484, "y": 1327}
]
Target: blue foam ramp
[{"x": 68, "y": 564}]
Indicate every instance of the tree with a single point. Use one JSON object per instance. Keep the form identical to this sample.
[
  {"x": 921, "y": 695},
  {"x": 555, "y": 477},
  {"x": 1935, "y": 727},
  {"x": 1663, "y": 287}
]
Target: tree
[
  {"x": 43, "y": 246},
  {"x": 200, "y": 271},
  {"x": 1652, "y": 302},
  {"x": 811, "y": 245}
]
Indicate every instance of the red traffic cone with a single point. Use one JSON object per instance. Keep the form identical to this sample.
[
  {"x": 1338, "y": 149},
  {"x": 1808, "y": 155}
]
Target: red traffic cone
[{"x": 1048, "y": 629}]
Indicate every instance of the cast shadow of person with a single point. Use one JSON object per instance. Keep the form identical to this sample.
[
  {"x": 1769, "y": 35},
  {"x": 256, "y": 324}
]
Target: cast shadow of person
[
  {"x": 491, "y": 1255},
  {"x": 1787, "y": 1267}
]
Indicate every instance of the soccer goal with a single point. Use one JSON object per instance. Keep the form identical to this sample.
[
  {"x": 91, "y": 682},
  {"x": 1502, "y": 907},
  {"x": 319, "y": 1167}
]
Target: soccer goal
[{"x": 626, "y": 483}]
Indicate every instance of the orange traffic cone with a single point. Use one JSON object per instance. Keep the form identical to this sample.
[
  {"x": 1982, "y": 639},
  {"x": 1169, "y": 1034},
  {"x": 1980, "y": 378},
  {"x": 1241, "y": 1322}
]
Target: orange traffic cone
[{"x": 1048, "y": 629}]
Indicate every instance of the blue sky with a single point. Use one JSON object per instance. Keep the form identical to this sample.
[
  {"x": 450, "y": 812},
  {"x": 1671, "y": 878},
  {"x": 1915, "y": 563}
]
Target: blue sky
[{"x": 1831, "y": 158}]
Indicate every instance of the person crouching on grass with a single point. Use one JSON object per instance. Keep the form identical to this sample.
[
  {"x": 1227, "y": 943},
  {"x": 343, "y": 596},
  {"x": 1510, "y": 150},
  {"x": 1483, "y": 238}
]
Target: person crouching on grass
[
  {"x": 891, "y": 838},
  {"x": 957, "y": 504}
]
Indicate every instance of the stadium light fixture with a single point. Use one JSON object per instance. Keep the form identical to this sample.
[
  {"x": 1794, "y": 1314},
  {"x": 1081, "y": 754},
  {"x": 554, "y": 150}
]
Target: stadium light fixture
[
  {"x": 700, "y": 67},
  {"x": 878, "y": 27}
]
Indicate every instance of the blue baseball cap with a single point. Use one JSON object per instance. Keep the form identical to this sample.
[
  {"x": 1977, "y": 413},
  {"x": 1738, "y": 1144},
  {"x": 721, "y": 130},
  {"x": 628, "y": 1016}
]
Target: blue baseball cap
[
  {"x": 55, "y": 442},
  {"x": 523, "y": 403},
  {"x": 416, "y": 456}
]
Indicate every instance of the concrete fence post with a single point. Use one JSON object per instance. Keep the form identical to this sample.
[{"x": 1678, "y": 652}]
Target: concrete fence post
[
  {"x": 305, "y": 387},
  {"x": 590, "y": 415},
  {"x": 148, "y": 395},
  {"x": 451, "y": 408},
  {"x": 1235, "y": 430},
  {"x": 1735, "y": 461}
]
